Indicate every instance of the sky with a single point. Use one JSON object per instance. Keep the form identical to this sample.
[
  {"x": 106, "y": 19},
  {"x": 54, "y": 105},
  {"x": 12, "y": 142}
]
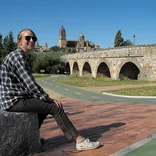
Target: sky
[{"x": 98, "y": 20}]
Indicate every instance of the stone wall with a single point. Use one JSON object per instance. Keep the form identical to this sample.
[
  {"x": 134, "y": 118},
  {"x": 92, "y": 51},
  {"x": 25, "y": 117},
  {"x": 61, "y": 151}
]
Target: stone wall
[
  {"x": 142, "y": 50},
  {"x": 19, "y": 134}
]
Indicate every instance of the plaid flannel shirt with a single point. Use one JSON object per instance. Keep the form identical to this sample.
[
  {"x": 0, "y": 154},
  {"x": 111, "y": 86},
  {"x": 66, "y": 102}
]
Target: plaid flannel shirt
[{"x": 16, "y": 80}]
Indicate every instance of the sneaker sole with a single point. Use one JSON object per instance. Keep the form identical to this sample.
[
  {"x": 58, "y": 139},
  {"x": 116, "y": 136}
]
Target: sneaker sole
[{"x": 83, "y": 149}]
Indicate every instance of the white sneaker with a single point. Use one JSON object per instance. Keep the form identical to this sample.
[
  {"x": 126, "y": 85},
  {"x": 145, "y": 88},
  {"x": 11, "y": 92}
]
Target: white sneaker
[{"x": 87, "y": 145}]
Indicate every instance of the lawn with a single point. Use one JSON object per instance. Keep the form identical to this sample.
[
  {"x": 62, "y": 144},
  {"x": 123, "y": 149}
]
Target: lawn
[{"x": 98, "y": 82}]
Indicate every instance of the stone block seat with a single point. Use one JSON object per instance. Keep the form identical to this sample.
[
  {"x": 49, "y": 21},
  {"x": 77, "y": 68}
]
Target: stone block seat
[{"x": 19, "y": 134}]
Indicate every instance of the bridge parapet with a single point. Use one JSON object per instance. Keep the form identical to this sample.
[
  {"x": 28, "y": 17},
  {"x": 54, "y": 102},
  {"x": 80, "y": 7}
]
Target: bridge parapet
[{"x": 119, "y": 52}]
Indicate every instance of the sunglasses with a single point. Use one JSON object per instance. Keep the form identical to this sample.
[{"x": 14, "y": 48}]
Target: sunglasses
[{"x": 28, "y": 38}]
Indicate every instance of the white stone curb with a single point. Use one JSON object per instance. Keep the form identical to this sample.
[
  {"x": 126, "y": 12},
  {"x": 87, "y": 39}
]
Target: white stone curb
[{"x": 127, "y": 96}]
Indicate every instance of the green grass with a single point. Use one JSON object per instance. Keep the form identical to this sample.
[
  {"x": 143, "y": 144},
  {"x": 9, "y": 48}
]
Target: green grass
[
  {"x": 98, "y": 82},
  {"x": 146, "y": 150},
  {"x": 41, "y": 76},
  {"x": 141, "y": 91}
]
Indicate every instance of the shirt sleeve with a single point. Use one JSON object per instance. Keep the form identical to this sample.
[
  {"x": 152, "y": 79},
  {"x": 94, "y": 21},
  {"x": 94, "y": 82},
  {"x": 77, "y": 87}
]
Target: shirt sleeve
[{"x": 27, "y": 81}]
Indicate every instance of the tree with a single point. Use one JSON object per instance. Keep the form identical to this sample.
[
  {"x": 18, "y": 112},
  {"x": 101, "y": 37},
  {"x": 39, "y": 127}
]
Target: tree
[
  {"x": 118, "y": 41},
  {"x": 55, "y": 48},
  {"x": 49, "y": 62},
  {"x": 12, "y": 44},
  {"x": 9, "y": 44},
  {"x": 1, "y": 45},
  {"x": 5, "y": 45},
  {"x": 128, "y": 43}
]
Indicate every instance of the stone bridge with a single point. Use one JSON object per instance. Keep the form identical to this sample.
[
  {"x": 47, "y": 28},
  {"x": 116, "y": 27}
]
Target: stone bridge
[{"x": 133, "y": 62}]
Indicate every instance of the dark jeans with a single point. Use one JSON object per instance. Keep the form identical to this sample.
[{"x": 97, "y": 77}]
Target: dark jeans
[{"x": 43, "y": 108}]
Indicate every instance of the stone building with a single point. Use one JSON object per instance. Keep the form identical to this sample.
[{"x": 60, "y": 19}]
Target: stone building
[
  {"x": 81, "y": 44},
  {"x": 40, "y": 48}
]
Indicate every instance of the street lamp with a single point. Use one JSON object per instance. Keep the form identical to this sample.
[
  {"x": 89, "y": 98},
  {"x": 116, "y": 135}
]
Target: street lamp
[{"x": 134, "y": 39}]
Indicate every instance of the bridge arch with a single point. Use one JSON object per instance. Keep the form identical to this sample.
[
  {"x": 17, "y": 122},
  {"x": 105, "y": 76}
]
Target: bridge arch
[
  {"x": 129, "y": 69},
  {"x": 103, "y": 69},
  {"x": 67, "y": 68},
  {"x": 75, "y": 69},
  {"x": 86, "y": 70}
]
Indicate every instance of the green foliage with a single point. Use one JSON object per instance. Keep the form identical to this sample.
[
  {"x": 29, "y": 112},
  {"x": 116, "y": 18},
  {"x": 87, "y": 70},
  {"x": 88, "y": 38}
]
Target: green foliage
[
  {"x": 128, "y": 43},
  {"x": 118, "y": 41},
  {"x": 72, "y": 50},
  {"x": 1, "y": 46},
  {"x": 50, "y": 62},
  {"x": 32, "y": 57},
  {"x": 1, "y": 59},
  {"x": 7, "y": 45},
  {"x": 55, "y": 48},
  {"x": 64, "y": 50}
]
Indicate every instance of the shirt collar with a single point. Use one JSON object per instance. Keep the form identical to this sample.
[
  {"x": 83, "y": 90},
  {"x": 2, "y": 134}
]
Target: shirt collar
[{"x": 26, "y": 56}]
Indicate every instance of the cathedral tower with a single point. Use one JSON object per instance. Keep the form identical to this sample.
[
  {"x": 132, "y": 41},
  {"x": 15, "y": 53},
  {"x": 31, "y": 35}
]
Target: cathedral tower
[
  {"x": 81, "y": 41},
  {"x": 62, "y": 37}
]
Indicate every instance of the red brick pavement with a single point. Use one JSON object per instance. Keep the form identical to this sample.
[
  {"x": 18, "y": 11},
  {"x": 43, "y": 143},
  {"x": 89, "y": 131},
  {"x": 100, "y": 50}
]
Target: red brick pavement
[{"x": 115, "y": 125}]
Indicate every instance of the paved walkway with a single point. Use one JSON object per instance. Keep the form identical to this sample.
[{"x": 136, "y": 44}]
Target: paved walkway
[{"x": 115, "y": 125}]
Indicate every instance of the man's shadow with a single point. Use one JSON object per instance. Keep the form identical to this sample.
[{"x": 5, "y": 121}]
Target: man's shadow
[{"x": 93, "y": 134}]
